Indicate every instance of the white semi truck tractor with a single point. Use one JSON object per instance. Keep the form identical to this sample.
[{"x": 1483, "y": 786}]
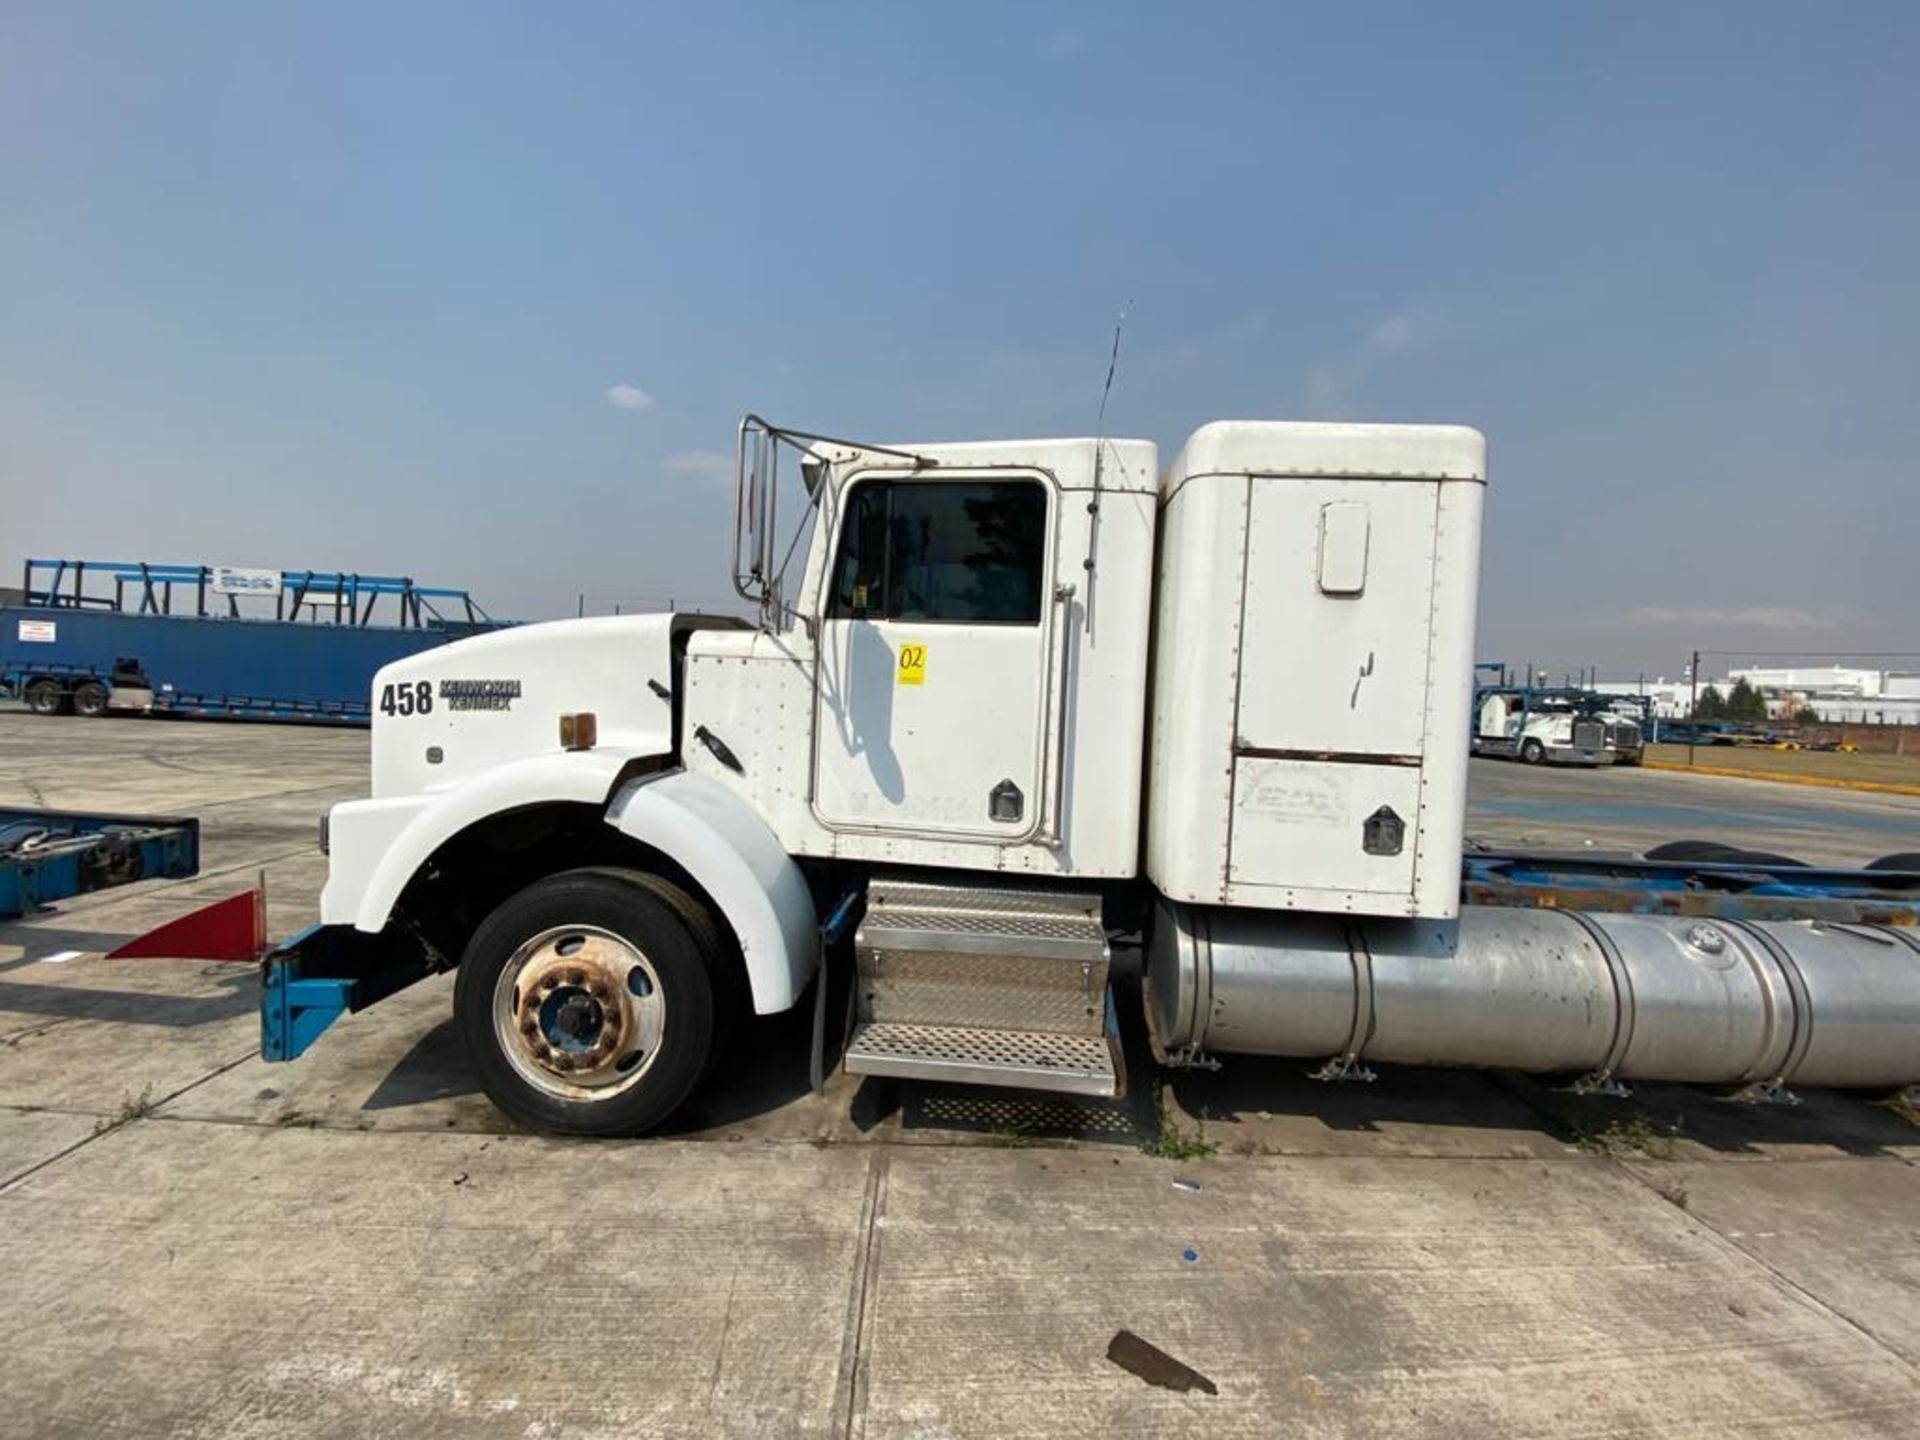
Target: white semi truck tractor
[{"x": 1007, "y": 704}]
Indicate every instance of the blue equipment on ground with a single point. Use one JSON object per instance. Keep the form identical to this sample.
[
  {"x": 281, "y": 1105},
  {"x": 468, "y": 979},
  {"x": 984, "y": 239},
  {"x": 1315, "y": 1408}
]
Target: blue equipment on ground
[
  {"x": 91, "y": 637},
  {"x": 48, "y": 855}
]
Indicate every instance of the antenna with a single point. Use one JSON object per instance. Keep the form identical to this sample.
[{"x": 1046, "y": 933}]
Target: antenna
[
  {"x": 1113, "y": 363},
  {"x": 1099, "y": 462}
]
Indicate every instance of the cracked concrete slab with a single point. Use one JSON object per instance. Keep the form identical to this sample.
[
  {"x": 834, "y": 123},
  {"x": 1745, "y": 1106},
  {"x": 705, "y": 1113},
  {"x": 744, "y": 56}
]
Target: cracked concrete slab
[
  {"x": 1382, "y": 1297},
  {"x": 1847, "y": 1232},
  {"x": 32, "y": 1137},
  {"x": 179, "y": 1278}
]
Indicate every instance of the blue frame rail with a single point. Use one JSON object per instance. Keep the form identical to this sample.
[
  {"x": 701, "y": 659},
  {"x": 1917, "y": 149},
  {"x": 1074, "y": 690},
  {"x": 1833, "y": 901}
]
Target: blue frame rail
[
  {"x": 1731, "y": 891},
  {"x": 327, "y": 971}
]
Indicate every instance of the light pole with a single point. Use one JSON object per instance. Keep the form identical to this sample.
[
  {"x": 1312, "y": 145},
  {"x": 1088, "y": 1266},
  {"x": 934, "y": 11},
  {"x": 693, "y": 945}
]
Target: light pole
[{"x": 1693, "y": 706}]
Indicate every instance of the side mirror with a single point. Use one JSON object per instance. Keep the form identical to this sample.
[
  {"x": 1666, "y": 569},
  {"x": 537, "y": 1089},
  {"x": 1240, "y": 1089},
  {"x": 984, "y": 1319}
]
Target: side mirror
[{"x": 756, "y": 497}]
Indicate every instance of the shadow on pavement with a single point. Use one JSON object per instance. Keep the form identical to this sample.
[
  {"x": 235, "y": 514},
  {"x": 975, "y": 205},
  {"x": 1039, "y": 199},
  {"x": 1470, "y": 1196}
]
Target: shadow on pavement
[
  {"x": 132, "y": 1007},
  {"x": 38, "y": 943},
  {"x": 764, "y": 1068},
  {"x": 1653, "y": 1119},
  {"x": 1675, "y": 1115},
  {"x": 434, "y": 1069}
]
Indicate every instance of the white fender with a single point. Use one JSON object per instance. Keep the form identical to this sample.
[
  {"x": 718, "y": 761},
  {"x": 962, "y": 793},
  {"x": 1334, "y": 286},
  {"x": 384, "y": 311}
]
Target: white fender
[
  {"x": 377, "y": 846},
  {"x": 727, "y": 848}
]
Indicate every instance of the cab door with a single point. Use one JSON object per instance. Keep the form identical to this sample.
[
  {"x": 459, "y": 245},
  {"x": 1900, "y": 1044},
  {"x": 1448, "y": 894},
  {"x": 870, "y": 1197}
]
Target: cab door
[{"x": 931, "y": 709}]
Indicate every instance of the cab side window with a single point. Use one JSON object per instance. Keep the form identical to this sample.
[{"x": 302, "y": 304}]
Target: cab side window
[{"x": 955, "y": 552}]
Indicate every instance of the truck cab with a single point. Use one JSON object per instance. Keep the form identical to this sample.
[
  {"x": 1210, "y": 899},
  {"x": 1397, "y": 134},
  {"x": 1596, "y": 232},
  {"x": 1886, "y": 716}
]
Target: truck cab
[
  {"x": 999, "y": 694},
  {"x": 1541, "y": 727}
]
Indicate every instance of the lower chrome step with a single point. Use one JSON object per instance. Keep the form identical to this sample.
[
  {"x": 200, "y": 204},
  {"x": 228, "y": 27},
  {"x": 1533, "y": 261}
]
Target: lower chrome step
[{"x": 1070, "y": 1064}]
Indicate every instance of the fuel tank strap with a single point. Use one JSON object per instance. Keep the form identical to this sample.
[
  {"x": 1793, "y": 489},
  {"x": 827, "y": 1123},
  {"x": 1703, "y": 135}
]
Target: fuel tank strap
[
  {"x": 1346, "y": 1065},
  {"x": 1800, "y": 1035},
  {"x": 1624, "y": 1013}
]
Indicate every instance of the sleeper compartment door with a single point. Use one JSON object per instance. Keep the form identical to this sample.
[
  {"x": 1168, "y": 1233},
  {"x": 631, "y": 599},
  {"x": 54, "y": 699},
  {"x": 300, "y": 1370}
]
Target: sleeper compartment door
[
  {"x": 1330, "y": 725},
  {"x": 931, "y": 715},
  {"x": 1338, "y": 615}
]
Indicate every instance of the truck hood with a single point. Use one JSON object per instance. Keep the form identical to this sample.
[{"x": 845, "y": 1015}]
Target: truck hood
[{"x": 450, "y": 712}]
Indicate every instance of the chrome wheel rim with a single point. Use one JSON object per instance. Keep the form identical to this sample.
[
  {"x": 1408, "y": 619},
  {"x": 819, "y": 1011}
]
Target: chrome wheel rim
[{"x": 579, "y": 1013}]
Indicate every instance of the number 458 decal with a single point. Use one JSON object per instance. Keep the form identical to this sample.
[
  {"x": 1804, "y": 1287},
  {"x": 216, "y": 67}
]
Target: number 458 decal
[{"x": 404, "y": 699}]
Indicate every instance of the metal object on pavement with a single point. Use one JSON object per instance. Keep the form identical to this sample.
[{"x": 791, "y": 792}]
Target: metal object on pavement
[
  {"x": 48, "y": 855},
  {"x": 1154, "y": 1365}
]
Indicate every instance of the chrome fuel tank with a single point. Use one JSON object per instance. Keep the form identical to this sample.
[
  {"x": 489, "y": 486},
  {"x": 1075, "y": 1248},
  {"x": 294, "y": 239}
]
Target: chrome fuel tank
[{"x": 1608, "y": 996}]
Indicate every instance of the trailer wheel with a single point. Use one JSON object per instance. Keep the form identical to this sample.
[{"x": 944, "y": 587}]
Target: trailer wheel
[
  {"x": 1532, "y": 752},
  {"x": 90, "y": 699},
  {"x": 44, "y": 696},
  {"x": 588, "y": 1003}
]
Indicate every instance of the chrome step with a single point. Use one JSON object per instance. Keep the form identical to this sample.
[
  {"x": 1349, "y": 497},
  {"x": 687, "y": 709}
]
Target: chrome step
[
  {"x": 1072, "y": 1064},
  {"x": 990, "y": 985}
]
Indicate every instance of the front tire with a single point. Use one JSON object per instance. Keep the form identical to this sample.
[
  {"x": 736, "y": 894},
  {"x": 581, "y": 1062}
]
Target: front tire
[
  {"x": 588, "y": 1002},
  {"x": 1532, "y": 752}
]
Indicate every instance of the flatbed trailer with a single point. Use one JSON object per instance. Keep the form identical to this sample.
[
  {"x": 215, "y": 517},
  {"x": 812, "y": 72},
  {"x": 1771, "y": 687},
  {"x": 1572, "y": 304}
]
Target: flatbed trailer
[
  {"x": 48, "y": 855},
  {"x": 99, "y": 637}
]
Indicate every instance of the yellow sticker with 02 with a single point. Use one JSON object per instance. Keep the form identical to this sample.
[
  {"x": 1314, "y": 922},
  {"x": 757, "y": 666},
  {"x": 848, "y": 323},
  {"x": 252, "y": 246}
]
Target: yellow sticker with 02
[{"x": 913, "y": 665}]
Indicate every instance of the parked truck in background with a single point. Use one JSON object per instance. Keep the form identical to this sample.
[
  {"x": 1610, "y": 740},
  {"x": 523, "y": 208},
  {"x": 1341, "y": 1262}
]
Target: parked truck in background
[
  {"x": 1022, "y": 702},
  {"x": 1556, "y": 726}
]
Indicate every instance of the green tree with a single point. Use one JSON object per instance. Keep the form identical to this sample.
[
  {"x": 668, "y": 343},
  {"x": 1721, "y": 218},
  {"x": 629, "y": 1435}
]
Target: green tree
[
  {"x": 1806, "y": 715},
  {"x": 1746, "y": 704},
  {"x": 1711, "y": 704}
]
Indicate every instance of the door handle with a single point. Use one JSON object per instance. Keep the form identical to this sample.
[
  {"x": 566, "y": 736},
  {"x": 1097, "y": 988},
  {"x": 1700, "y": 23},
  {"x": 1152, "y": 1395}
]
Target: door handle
[{"x": 721, "y": 750}]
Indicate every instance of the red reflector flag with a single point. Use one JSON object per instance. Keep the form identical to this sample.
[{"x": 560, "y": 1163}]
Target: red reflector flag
[{"x": 231, "y": 929}]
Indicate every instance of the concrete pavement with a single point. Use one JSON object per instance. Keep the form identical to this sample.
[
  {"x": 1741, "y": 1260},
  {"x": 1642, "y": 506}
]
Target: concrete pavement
[{"x": 199, "y": 1244}]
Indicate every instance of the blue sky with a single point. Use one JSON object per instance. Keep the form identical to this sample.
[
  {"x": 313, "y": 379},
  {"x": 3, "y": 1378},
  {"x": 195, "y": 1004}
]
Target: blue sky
[{"x": 351, "y": 285}]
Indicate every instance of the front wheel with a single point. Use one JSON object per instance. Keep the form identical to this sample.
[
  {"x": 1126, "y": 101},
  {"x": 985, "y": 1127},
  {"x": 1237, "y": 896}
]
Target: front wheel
[
  {"x": 1533, "y": 752},
  {"x": 588, "y": 1003}
]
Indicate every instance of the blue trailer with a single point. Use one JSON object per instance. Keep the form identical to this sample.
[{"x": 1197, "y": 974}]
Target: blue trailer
[{"x": 93, "y": 637}]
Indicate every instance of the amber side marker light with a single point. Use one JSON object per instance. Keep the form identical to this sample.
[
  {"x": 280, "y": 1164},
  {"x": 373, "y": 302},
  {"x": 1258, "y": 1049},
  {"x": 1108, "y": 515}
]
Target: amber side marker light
[{"x": 579, "y": 732}]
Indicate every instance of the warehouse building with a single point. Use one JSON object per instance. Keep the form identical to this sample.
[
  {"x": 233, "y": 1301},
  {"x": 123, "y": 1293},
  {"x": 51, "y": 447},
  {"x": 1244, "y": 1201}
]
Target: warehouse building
[{"x": 1838, "y": 694}]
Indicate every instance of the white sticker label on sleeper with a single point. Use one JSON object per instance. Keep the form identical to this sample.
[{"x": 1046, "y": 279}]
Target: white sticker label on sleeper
[{"x": 38, "y": 632}]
